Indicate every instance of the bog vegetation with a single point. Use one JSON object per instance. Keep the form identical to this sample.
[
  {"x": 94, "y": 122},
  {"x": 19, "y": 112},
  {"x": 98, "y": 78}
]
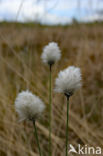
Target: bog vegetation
[{"x": 21, "y": 68}]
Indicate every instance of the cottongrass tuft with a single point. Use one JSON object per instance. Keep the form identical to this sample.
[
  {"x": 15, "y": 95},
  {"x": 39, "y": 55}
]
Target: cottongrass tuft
[
  {"x": 68, "y": 80},
  {"x": 51, "y": 53},
  {"x": 28, "y": 106}
]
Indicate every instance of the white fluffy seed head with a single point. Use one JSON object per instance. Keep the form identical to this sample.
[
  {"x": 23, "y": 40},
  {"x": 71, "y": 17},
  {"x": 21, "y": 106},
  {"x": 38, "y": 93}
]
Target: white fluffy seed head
[
  {"x": 51, "y": 53},
  {"x": 28, "y": 106},
  {"x": 68, "y": 80}
]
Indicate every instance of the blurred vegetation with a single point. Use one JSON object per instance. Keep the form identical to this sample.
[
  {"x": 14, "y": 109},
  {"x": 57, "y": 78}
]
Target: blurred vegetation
[{"x": 21, "y": 68}]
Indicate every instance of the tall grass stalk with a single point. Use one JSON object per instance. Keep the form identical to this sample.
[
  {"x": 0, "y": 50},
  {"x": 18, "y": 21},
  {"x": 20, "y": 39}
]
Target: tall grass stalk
[
  {"x": 50, "y": 109},
  {"x": 67, "y": 125},
  {"x": 36, "y": 136}
]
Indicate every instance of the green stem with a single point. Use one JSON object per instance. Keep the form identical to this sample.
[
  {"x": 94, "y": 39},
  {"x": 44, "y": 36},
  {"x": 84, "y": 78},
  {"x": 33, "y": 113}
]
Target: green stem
[
  {"x": 36, "y": 135},
  {"x": 67, "y": 126},
  {"x": 50, "y": 110}
]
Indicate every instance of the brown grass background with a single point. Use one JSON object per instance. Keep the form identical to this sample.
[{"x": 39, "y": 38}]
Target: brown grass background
[{"x": 21, "y": 68}]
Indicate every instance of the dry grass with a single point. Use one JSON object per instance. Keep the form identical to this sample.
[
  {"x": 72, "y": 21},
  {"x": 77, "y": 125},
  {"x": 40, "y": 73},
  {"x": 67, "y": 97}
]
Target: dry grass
[{"x": 21, "y": 68}]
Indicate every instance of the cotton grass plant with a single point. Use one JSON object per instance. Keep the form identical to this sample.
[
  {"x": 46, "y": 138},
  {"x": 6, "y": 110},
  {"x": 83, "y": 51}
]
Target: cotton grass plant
[
  {"x": 51, "y": 54},
  {"x": 67, "y": 82},
  {"x": 29, "y": 107}
]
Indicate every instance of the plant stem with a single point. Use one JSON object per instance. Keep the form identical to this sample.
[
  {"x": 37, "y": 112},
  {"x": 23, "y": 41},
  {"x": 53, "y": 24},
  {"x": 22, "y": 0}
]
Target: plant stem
[
  {"x": 50, "y": 110},
  {"x": 36, "y": 135},
  {"x": 67, "y": 125}
]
